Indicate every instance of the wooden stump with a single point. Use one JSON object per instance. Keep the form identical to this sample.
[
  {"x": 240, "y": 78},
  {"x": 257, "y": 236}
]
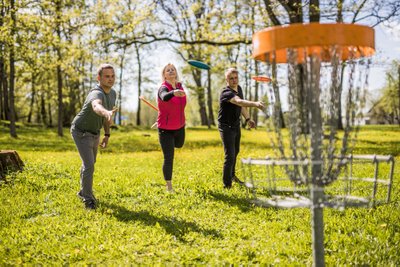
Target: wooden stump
[{"x": 9, "y": 162}]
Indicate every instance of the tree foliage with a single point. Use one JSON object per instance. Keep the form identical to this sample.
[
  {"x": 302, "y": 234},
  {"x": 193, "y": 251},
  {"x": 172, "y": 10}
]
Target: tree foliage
[
  {"x": 387, "y": 108},
  {"x": 49, "y": 50}
]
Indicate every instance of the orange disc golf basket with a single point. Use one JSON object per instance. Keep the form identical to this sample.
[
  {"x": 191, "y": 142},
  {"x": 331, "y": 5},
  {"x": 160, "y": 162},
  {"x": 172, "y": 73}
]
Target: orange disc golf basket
[{"x": 325, "y": 69}]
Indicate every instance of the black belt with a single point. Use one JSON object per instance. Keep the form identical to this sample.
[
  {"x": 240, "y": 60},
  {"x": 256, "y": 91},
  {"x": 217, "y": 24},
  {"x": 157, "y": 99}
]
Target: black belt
[
  {"x": 91, "y": 132},
  {"x": 84, "y": 131},
  {"x": 236, "y": 125}
]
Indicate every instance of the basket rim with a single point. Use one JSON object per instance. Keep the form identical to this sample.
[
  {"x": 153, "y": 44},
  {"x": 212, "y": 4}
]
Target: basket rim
[{"x": 353, "y": 40}]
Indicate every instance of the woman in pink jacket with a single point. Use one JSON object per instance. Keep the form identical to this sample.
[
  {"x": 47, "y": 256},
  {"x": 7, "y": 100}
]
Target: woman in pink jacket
[{"x": 171, "y": 119}]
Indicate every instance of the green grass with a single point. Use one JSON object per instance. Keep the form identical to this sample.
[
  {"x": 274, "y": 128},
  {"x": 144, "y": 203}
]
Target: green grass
[{"x": 137, "y": 222}]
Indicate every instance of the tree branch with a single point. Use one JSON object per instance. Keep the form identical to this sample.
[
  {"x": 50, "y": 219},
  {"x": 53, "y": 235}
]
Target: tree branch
[
  {"x": 358, "y": 11},
  {"x": 271, "y": 14},
  {"x": 154, "y": 39}
]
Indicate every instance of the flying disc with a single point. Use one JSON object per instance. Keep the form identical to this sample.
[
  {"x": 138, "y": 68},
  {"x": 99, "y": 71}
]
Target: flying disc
[
  {"x": 199, "y": 64},
  {"x": 264, "y": 79}
]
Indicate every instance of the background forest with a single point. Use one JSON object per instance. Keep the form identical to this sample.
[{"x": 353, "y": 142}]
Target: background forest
[{"x": 49, "y": 51}]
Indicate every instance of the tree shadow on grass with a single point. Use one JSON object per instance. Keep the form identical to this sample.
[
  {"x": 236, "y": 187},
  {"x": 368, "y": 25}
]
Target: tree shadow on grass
[
  {"x": 173, "y": 226},
  {"x": 378, "y": 147},
  {"x": 242, "y": 203}
]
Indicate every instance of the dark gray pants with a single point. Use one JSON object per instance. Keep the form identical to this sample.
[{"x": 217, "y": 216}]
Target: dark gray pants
[
  {"x": 231, "y": 140},
  {"x": 87, "y": 144}
]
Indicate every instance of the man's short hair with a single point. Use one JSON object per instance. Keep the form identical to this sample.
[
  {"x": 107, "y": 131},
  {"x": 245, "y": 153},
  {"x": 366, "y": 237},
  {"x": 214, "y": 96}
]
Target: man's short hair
[
  {"x": 103, "y": 67},
  {"x": 230, "y": 71}
]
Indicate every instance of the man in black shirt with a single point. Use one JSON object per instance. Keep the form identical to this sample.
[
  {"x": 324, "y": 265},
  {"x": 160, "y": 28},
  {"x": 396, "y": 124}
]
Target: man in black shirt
[{"x": 232, "y": 105}]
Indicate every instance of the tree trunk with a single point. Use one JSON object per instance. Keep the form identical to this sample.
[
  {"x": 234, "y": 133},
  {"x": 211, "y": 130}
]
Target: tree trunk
[
  {"x": 247, "y": 94},
  {"x": 340, "y": 122},
  {"x": 50, "y": 116},
  {"x": 314, "y": 11},
  {"x": 90, "y": 80},
  {"x": 398, "y": 82},
  {"x": 3, "y": 75},
  {"x": 200, "y": 96},
  {"x": 60, "y": 101},
  {"x": 255, "y": 110},
  {"x": 13, "y": 131},
  {"x": 138, "y": 121},
  {"x": 202, "y": 107},
  {"x": 256, "y": 72},
  {"x": 43, "y": 109},
  {"x": 33, "y": 94},
  {"x": 59, "y": 73},
  {"x": 48, "y": 95},
  {"x": 38, "y": 111},
  {"x": 118, "y": 104},
  {"x": 304, "y": 105},
  {"x": 9, "y": 162},
  {"x": 81, "y": 85},
  {"x": 6, "y": 106},
  {"x": 72, "y": 85},
  {"x": 278, "y": 114},
  {"x": 2, "y": 82},
  {"x": 211, "y": 120}
]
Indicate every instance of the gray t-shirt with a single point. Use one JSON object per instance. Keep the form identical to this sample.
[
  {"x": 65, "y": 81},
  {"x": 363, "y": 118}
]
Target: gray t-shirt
[{"x": 87, "y": 120}]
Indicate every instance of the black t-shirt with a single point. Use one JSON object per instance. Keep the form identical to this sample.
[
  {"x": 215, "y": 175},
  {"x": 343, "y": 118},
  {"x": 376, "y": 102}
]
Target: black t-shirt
[{"x": 229, "y": 113}]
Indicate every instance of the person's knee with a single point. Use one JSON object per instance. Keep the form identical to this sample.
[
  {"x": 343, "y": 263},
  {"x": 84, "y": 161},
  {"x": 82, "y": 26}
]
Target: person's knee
[
  {"x": 88, "y": 167},
  {"x": 179, "y": 142},
  {"x": 229, "y": 158},
  {"x": 179, "y": 145}
]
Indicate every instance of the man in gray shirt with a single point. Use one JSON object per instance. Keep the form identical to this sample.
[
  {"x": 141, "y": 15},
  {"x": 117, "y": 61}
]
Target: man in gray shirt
[{"x": 97, "y": 112}]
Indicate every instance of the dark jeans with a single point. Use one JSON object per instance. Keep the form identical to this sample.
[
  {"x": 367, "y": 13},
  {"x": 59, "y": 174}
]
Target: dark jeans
[
  {"x": 231, "y": 140},
  {"x": 169, "y": 139}
]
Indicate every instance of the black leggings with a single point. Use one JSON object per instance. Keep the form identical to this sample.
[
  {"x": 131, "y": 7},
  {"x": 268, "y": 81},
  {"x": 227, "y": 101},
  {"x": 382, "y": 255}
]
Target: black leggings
[
  {"x": 169, "y": 139},
  {"x": 231, "y": 140}
]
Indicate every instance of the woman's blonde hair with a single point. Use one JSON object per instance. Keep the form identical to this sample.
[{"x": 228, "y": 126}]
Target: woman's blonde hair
[{"x": 163, "y": 70}]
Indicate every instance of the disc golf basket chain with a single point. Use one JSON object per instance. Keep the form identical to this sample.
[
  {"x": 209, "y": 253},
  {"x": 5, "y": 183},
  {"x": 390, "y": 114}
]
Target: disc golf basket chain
[
  {"x": 312, "y": 154},
  {"x": 269, "y": 185}
]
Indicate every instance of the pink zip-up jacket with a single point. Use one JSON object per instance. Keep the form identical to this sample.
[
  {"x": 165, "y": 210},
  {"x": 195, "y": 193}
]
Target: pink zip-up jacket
[{"x": 171, "y": 113}]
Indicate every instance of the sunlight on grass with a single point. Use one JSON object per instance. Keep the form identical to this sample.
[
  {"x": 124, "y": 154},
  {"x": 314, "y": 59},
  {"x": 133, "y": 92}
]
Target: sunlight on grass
[{"x": 138, "y": 222}]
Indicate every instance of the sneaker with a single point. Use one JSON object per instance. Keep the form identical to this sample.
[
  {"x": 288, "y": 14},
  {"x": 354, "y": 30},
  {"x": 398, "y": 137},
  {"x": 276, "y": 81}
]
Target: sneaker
[
  {"x": 170, "y": 189},
  {"x": 237, "y": 180},
  {"x": 90, "y": 204},
  {"x": 80, "y": 196}
]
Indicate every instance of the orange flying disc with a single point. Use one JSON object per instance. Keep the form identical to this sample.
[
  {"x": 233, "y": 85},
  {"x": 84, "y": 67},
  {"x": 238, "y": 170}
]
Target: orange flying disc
[{"x": 264, "y": 79}]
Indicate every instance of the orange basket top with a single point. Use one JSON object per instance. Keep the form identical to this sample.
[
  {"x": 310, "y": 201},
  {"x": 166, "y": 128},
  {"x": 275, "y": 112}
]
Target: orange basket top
[{"x": 353, "y": 40}]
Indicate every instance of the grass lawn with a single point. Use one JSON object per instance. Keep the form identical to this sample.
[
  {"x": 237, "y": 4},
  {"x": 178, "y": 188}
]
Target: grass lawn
[{"x": 43, "y": 222}]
